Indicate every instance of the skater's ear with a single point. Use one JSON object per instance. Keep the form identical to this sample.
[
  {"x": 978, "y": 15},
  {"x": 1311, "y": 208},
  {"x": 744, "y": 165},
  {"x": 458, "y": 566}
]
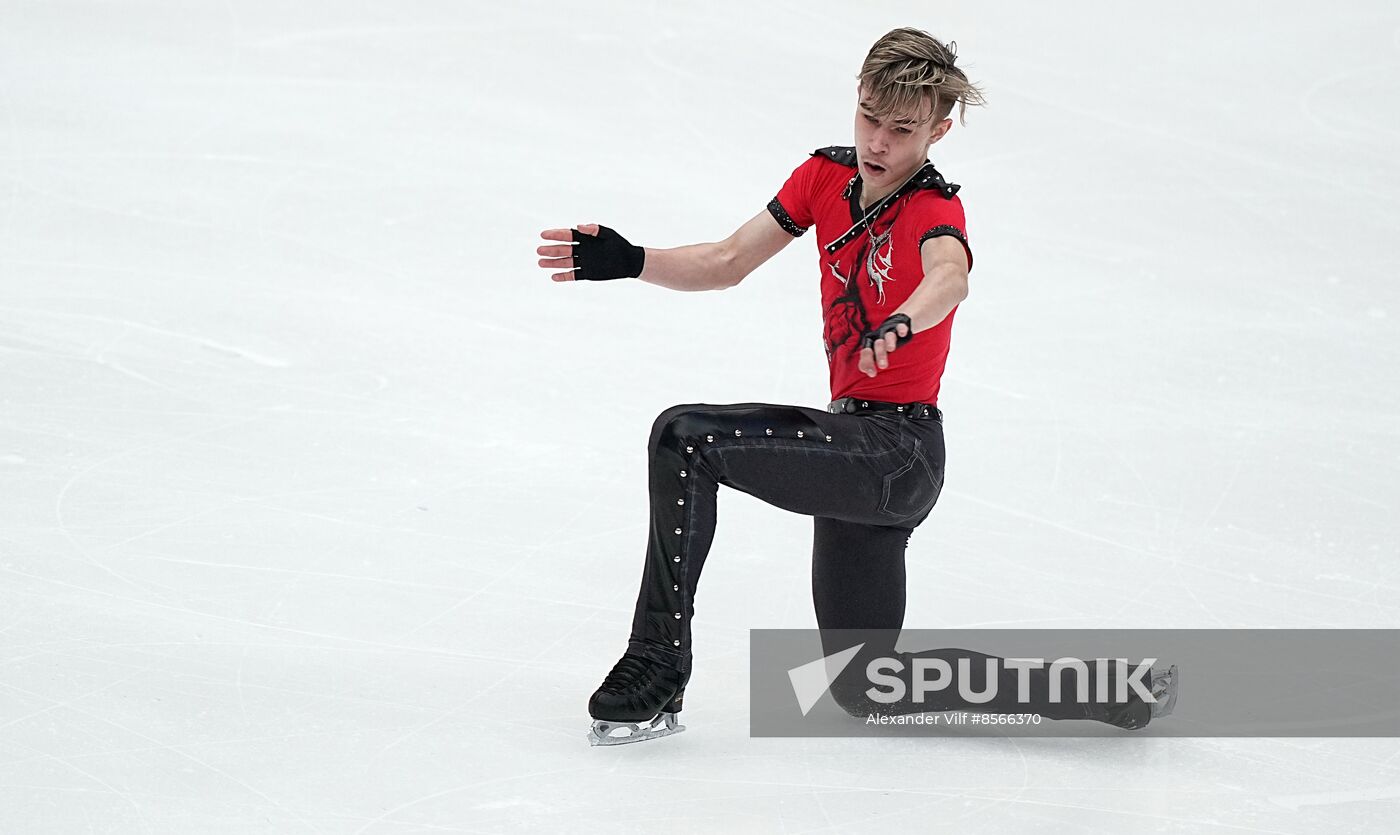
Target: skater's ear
[{"x": 940, "y": 130}]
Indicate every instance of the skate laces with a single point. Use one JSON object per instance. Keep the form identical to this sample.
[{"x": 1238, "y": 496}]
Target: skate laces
[{"x": 625, "y": 672}]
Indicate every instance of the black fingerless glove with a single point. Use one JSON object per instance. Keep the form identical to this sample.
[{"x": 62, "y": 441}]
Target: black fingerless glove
[
  {"x": 869, "y": 339},
  {"x": 605, "y": 256}
]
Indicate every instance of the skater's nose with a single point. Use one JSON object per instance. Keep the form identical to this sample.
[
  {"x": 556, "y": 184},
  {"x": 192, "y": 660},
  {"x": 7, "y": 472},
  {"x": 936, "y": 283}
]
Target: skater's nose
[{"x": 877, "y": 143}]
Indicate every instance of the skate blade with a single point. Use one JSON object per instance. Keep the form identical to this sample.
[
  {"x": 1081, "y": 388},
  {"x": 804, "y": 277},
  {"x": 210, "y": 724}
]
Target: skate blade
[
  {"x": 602, "y": 733},
  {"x": 1167, "y": 695}
]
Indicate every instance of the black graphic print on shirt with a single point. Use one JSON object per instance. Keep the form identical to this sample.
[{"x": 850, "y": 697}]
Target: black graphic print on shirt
[{"x": 855, "y": 266}]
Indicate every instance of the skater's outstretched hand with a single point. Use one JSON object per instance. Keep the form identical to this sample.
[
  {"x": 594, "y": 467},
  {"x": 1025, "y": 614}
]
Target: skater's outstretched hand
[
  {"x": 561, "y": 257},
  {"x": 593, "y": 253},
  {"x": 882, "y": 342}
]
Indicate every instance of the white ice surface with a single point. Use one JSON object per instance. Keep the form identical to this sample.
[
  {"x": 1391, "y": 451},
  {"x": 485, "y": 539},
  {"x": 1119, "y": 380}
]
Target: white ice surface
[{"x": 322, "y": 508}]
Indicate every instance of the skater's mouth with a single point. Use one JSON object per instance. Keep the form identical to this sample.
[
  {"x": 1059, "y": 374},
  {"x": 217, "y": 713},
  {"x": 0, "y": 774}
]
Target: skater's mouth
[{"x": 873, "y": 168}]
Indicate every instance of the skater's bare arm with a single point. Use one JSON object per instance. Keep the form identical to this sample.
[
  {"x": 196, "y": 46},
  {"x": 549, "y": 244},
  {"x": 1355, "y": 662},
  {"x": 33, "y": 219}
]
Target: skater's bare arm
[
  {"x": 708, "y": 266},
  {"x": 944, "y": 286},
  {"x": 716, "y": 266}
]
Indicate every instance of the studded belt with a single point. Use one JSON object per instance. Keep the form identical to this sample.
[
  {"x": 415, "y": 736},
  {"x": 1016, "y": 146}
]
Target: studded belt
[{"x": 914, "y": 411}]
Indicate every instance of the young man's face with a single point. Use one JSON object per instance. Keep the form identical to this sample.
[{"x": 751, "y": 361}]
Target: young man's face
[{"x": 892, "y": 148}]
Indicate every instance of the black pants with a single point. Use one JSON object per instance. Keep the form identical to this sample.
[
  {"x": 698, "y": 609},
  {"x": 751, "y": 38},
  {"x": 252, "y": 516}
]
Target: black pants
[{"x": 867, "y": 480}]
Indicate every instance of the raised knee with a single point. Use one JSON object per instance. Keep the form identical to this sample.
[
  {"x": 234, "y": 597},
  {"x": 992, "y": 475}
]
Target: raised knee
[{"x": 676, "y": 425}]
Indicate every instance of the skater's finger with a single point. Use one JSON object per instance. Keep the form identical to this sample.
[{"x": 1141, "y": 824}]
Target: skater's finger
[
  {"x": 555, "y": 251},
  {"x": 568, "y": 234},
  {"x": 902, "y": 329},
  {"x": 866, "y": 364},
  {"x": 568, "y": 276},
  {"x": 557, "y": 263},
  {"x": 891, "y": 342},
  {"x": 880, "y": 353}
]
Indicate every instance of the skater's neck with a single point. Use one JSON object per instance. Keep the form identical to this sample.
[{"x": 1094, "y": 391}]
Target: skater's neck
[{"x": 868, "y": 196}]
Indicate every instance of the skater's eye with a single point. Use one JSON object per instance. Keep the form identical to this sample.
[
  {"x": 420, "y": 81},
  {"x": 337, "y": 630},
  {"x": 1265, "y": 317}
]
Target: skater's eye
[{"x": 876, "y": 122}]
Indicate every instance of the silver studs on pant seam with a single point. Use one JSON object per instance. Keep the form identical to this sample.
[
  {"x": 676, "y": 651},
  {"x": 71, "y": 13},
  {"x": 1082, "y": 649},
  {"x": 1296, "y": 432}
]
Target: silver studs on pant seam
[{"x": 690, "y": 449}]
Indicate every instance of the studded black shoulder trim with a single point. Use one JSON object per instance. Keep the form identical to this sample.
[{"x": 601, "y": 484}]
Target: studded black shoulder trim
[
  {"x": 951, "y": 231},
  {"x": 844, "y": 154},
  {"x": 784, "y": 219},
  {"x": 941, "y": 230},
  {"x": 929, "y": 178}
]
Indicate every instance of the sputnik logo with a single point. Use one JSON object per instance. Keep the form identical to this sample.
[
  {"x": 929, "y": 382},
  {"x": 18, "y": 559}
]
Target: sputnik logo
[{"x": 812, "y": 679}]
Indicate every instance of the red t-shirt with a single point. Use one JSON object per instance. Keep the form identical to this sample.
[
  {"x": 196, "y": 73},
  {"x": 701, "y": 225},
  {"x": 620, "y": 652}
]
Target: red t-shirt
[{"x": 824, "y": 191}]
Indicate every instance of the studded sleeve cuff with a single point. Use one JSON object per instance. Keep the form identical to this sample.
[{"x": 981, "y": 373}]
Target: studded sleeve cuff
[
  {"x": 784, "y": 219},
  {"x": 948, "y": 229}
]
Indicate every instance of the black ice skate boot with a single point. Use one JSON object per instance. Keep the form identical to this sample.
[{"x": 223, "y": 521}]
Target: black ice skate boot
[{"x": 638, "y": 690}]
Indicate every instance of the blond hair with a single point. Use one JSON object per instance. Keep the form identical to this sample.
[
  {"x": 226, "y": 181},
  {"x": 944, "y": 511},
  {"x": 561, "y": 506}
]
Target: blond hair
[{"x": 908, "y": 67}]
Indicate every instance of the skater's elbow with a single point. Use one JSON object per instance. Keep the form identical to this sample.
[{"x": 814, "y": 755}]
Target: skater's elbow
[
  {"x": 960, "y": 289},
  {"x": 727, "y": 270},
  {"x": 752, "y": 244}
]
